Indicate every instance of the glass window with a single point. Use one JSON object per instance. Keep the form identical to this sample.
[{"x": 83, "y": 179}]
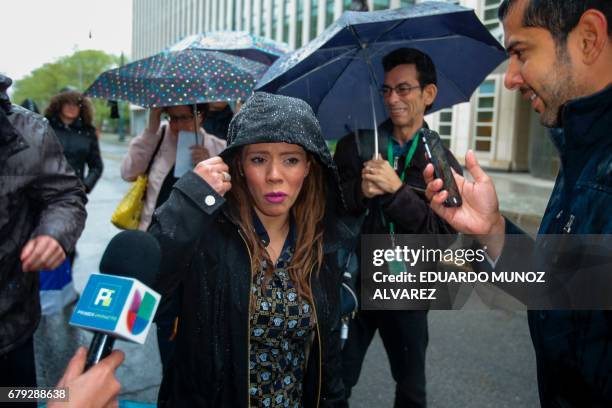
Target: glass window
[
  {"x": 484, "y": 126},
  {"x": 483, "y": 145},
  {"x": 486, "y": 102},
  {"x": 245, "y": 17},
  {"x": 445, "y": 126},
  {"x": 490, "y": 14},
  {"x": 487, "y": 87},
  {"x": 314, "y": 14},
  {"x": 381, "y": 4},
  {"x": 264, "y": 17},
  {"x": 446, "y": 116},
  {"x": 299, "y": 23},
  {"x": 445, "y": 130},
  {"x": 485, "y": 117},
  {"x": 329, "y": 13},
  {"x": 274, "y": 16},
  {"x": 286, "y": 22}
]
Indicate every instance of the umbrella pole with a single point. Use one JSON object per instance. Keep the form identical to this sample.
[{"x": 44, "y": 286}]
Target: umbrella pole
[
  {"x": 372, "y": 92},
  {"x": 375, "y": 122},
  {"x": 195, "y": 124}
]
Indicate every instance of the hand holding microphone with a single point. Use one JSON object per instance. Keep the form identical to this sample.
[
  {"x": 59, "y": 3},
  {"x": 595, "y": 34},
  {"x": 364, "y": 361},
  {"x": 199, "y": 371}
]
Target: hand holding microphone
[
  {"x": 95, "y": 388},
  {"x": 118, "y": 303}
]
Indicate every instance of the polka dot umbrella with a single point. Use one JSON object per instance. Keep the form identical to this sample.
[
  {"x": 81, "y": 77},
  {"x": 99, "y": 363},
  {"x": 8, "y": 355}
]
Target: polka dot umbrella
[{"x": 183, "y": 77}]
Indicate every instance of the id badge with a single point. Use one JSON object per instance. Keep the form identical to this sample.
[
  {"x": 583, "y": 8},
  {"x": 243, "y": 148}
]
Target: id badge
[{"x": 396, "y": 267}]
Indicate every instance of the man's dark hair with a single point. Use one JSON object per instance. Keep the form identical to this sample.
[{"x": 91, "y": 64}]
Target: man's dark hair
[
  {"x": 426, "y": 71},
  {"x": 559, "y": 18}
]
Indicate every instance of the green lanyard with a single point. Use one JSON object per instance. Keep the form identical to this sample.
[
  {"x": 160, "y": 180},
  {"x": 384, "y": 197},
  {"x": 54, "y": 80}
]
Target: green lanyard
[{"x": 391, "y": 159}]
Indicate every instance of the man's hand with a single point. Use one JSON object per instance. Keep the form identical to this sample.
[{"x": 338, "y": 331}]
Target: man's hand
[
  {"x": 216, "y": 173},
  {"x": 42, "y": 252},
  {"x": 479, "y": 214},
  {"x": 199, "y": 153},
  {"x": 370, "y": 189},
  {"x": 96, "y": 388},
  {"x": 380, "y": 173}
]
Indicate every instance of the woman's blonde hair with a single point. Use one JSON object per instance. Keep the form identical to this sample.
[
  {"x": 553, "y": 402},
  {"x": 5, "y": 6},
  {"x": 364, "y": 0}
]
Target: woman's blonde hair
[
  {"x": 308, "y": 212},
  {"x": 86, "y": 108}
]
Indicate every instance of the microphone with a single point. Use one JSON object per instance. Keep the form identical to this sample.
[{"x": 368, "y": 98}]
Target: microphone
[{"x": 118, "y": 302}]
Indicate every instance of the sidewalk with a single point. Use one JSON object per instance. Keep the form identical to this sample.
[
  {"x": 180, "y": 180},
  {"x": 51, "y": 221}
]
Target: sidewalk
[{"x": 522, "y": 198}]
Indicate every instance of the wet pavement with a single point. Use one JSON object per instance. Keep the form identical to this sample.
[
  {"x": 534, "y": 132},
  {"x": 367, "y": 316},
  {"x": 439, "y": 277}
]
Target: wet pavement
[{"x": 475, "y": 358}]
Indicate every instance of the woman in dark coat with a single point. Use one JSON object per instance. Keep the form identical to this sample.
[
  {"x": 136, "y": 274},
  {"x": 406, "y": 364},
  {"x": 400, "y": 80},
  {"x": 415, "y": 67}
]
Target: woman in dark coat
[
  {"x": 71, "y": 117},
  {"x": 252, "y": 236}
]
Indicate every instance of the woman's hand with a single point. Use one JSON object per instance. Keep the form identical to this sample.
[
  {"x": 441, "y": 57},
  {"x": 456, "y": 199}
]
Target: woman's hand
[
  {"x": 155, "y": 119},
  {"x": 216, "y": 173}
]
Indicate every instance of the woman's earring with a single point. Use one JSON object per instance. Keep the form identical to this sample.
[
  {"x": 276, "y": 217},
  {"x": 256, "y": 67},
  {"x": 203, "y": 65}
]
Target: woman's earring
[{"x": 240, "y": 171}]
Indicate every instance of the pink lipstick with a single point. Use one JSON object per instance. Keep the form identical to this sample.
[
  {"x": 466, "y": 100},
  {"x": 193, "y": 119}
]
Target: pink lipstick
[{"x": 275, "y": 198}]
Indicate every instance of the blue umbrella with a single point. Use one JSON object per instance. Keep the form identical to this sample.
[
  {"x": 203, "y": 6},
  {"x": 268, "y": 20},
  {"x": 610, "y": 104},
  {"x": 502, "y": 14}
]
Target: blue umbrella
[
  {"x": 339, "y": 72},
  {"x": 240, "y": 43}
]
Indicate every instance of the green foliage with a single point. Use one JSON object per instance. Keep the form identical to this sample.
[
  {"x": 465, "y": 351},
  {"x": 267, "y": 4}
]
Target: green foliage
[{"x": 78, "y": 70}]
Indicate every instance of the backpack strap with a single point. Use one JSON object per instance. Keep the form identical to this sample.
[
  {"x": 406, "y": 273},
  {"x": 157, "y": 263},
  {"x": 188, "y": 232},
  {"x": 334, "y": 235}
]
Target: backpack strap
[{"x": 161, "y": 139}]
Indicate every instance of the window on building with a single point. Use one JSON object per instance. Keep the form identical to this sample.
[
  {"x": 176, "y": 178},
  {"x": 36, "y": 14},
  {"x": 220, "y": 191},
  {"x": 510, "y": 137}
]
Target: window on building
[
  {"x": 252, "y": 17},
  {"x": 286, "y": 21},
  {"x": 274, "y": 17},
  {"x": 314, "y": 14},
  {"x": 264, "y": 17},
  {"x": 404, "y": 3},
  {"x": 329, "y": 12},
  {"x": 245, "y": 16},
  {"x": 489, "y": 14},
  {"x": 355, "y": 5},
  {"x": 484, "y": 123},
  {"x": 445, "y": 126},
  {"x": 299, "y": 23},
  {"x": 381, "y": 4}
]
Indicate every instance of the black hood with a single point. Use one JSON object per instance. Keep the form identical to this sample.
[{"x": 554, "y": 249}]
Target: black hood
[
  {"x": 268, "y": 118},
  {"x": 5, "y": 102}
]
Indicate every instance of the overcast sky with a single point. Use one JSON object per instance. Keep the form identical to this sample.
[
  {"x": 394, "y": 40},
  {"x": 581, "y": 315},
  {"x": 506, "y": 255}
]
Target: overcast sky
[{"x": 34, "y": 32}]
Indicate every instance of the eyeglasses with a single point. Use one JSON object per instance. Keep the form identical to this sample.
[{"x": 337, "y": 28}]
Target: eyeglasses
[
  {"x": 400, "y": 90},
  {"x": 179, "y": 118}
]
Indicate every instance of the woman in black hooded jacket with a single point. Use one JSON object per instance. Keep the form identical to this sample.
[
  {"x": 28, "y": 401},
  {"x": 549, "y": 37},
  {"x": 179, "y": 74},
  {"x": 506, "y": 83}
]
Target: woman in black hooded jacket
[
  {"x": 252, "y": 237},
  {"x": 71, "y": 117}
]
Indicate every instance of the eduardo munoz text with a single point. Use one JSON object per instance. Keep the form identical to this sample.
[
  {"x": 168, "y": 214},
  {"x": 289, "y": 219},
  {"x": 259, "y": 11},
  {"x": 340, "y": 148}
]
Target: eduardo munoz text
[{"x": 457, "y": 256}]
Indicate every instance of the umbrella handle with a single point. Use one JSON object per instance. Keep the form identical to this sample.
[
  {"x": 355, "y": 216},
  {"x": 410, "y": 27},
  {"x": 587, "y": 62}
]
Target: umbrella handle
[{"x": 195, "y": 124}]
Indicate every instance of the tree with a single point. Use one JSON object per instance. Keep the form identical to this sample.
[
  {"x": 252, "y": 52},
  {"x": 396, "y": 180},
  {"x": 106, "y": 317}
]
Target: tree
[{"x": 78, "y": 70}]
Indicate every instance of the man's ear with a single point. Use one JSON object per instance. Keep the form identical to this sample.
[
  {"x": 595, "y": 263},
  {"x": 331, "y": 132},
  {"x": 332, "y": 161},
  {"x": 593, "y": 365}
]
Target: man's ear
[
  {"x": 591, "y": 35},
  {"x": 430, "y": 91}
]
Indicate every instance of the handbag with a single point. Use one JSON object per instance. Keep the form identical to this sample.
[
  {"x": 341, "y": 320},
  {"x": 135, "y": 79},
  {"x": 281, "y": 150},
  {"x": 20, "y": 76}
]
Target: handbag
[{"x": 127, "y": 214}]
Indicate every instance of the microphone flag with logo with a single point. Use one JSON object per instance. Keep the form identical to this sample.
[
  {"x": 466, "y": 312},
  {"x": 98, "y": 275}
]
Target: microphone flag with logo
[{"x": 118, "y": 302}]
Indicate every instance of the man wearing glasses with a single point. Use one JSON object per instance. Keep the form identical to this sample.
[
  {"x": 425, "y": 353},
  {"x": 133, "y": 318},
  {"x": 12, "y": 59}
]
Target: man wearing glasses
[{"x": 388, "y": 193}]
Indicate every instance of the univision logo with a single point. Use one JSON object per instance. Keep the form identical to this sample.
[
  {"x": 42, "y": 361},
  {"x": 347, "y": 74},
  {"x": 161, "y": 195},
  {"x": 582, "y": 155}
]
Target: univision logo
[{"x": 140, "y": 312}]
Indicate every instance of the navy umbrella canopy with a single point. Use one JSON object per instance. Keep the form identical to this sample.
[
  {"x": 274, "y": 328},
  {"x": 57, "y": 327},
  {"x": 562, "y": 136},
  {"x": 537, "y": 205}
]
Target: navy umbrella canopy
[{"x": 340, "y": 72}]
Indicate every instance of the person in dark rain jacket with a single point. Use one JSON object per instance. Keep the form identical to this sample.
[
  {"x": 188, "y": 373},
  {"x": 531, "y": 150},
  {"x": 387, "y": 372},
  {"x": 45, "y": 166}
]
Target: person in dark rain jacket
[
  {"x": 42, "y": 214},
  {"x": 389, "y": 191},
  {"x": 251, "y": 238},
  {"x": 71, "y": 117},
  {"x": 563, "y": 67}
]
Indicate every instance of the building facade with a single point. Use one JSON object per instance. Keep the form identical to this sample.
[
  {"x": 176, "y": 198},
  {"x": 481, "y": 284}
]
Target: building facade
[{"x": 497, "y": 124}]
